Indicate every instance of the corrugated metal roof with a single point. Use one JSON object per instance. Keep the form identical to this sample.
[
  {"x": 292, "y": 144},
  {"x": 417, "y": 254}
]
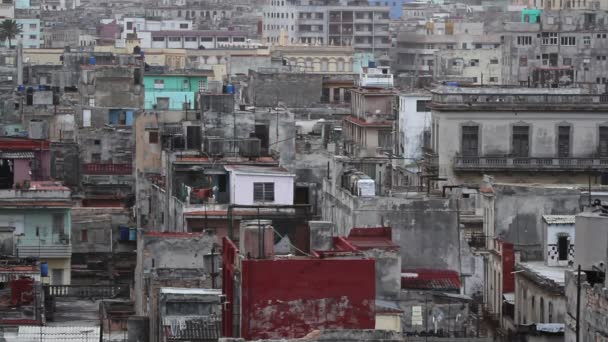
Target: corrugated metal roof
[
  {"x": 17, "y": 155},
  {"x": 58, "y": 334},
  {"x": 559, "y": 219}
]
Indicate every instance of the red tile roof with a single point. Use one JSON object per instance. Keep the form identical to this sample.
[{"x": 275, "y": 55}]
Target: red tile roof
[
  {"x": 430, "y": 279},
  {"x": 370, "y": 238}
]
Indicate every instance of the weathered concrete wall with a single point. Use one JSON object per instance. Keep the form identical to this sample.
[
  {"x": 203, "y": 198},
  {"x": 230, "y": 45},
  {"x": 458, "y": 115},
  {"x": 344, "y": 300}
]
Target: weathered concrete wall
[
  {"x": 65, "y": 163},
  {"x": 535, "y": 304},
  {"x": 388, "y": 272},
  {"x": 176, "y": 250},
  {"x": 518, "y": 211},
  {"x": 290, "y": 89},
  {"x": 101, "y": 225},
  {"x": 341, "y": 335},
  {"x": 440, "y": 315}
]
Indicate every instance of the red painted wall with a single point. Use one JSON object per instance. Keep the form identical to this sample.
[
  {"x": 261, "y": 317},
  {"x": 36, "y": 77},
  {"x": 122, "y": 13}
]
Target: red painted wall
[
  {"x": 290, "y": 298},
  {"x": 508, "y": 266}
]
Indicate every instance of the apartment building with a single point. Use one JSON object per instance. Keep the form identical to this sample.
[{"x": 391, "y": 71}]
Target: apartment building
[
  {"x": 419, "y": 50},
  {"x": 365, "y": 28},
  {"x": 561, "y": 49},
  {"x": 520, "y": 135}
]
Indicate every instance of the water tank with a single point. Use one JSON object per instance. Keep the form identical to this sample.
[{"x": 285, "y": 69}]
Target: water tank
[
  {"x": 44, "y": 269},
  {"x": 452, "y": 84},
  {"x": 256, "y": 238},
  {"x": 132, "y": 234},
  {"x": 92, "y": 60},
  {"x": 230, "y": 89},
  {"x": 123, "y": 233},
  {"x": 21, "y": 87}
]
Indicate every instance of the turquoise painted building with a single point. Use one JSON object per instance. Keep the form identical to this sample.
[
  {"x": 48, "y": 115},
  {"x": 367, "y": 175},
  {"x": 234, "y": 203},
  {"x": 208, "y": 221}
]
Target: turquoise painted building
[
  {"x": 172, "y": 91},
  {"x": 31, "y": 33},
  {"x": 530, "y": 15},
  {"x": 40, "y": 231},
  {"x": 22, "y": 4}
]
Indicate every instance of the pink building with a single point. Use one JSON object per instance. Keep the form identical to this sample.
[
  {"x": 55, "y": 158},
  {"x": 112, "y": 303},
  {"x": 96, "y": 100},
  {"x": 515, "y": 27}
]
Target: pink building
[{"x": 23, "y": 159}]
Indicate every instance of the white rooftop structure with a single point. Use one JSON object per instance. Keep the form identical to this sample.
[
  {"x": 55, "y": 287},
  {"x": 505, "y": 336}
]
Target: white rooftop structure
[{"x": 376, "y": 77}]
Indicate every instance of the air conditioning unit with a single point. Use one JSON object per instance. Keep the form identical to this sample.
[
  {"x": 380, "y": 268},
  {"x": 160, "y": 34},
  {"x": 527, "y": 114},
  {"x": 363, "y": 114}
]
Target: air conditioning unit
[
  {"x": 250, "y": 147},
  {"x": 214, "y": 146}
]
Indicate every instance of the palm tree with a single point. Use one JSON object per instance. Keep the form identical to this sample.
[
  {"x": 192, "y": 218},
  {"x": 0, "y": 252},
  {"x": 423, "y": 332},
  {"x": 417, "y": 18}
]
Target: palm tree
[{"x": 9, "y": 29}]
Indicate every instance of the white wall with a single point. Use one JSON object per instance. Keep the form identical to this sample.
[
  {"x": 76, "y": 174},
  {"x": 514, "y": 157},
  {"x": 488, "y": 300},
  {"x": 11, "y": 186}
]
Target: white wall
[
  {"x": 412, "y": 125},
  {"x": 551, "y": 243},
  {"x": 241, "y": 188}
]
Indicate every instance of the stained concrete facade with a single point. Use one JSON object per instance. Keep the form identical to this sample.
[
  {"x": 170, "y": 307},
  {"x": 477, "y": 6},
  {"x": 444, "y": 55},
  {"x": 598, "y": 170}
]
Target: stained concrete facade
[
  {"x": 475, "y": 132},
  {"x": 480, "y": 67},
  {"x": 270, "y": 88},
  {"x": 568, "y": 48}
]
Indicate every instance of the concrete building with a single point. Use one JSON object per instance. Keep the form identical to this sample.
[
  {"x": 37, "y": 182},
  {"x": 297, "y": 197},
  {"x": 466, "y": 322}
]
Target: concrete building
[
  {"x": 316, "y": 59},
  {"x": 509, "y": 133},
  {"x": 173, "y": 90},
  {"x": 188, "y": 39},
  {"x": 568, "y": 49},
  {"x": 368, "y": 130},
  {"x": 414, "y": 54},
  {"x": 412, "y": 137},
  {"x": 36, "y": 224},
  {"x": 365, "y": 28},
  {"x": 7, "y": 10},
  {"x": 591, "y": 232},
  {"x": 395, "y": 6},
  {"x": 31, "y": 35},
  {"x": 479, "y": 67}
]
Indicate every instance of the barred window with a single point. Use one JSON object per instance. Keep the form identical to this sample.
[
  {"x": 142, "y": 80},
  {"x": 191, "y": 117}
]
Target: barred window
[{"x": 263, "y": 192}]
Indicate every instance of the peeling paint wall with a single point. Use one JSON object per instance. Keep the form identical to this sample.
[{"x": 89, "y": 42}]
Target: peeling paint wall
[
  {"x": 290, "y": 298},
  {"x": 518, "y": 211}
]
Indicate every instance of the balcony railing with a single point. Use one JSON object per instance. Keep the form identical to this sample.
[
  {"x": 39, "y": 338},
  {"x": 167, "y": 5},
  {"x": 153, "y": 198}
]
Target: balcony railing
[
  {"x": 107, "y": 169},
  {"x": 44, "y": 251},
  {"x": 87, "y": 291},
  {"x": 529, "y": 164}
]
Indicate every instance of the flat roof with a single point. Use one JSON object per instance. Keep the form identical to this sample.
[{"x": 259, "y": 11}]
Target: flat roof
[
  {"x": 555, "y": 274},
  {"x": 189, "y": 291},
  {"x": 259, "y": 170}
]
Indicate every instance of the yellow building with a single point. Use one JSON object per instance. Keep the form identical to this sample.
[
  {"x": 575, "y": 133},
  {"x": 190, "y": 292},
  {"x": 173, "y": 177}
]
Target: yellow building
[{"x": 318, "y": 59}]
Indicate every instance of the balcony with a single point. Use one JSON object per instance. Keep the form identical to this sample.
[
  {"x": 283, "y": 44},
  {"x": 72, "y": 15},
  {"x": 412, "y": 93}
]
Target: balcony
[
  {"x": 31, "y": 249},
  {"x": 107, "y": 169},
  {"x": 480, "y": 164}
]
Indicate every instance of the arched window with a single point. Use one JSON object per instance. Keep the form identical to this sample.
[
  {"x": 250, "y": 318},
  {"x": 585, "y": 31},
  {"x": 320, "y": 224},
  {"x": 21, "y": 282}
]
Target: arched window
[
  {"x": 533, "y": 308},
  {"x": 550, "y": 312}
]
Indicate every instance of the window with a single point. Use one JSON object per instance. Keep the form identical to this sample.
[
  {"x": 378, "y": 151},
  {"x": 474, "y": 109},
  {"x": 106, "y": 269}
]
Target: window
[
  {"x": 474, "y": 62},
  {"x": 33, "y": 36},
  {"x": 587, "y": 40},
  {"x": 567, "y": 61},
  {"x": 494, "y": 61},
  {"x": 568, "y": 41},
  {"x": 478, "y": 46},
  {"x": 129, "y": 25},
  {"x": 563, "y": 142},
  {"x": 58, "y": 225},
  {"x": 153, "y": 137},
  {"x": 520, "y": 144},
  {"x": 183, "y": 26},
  {"x": 542, "y": 310},
  {"x": 190, "y": 39},
  {"x": 523, "y": 61},
  {"x": 422, "y": 106},
  {"x": 175, "y": 39},
  {"x": 97, "y": 142},
  {"x": 263, "y": 192},
  {"x": 524, "y": 40},
  {"x": 384, "y": 139},
  {"x": 493, "y": 79},
  {"x": 470, "y": 141},
  {"x": 550, "y": 312},
  {"x": 549, "y": 59},
  {"x": 158, "y": 39},
  {"x": 95, "y": 157},
  {"x": 603, "y": 148},
  {"x": 562, "y": 247},
  {"x": 159, "y": 84},
  {"x": 222, "y": 39},
  {"x": 549, "y": 38},
  {"x": 84, "y": 235}
]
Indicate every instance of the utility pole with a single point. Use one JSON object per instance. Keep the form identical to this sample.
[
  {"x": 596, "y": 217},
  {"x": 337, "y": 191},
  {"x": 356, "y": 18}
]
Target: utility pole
[{"x": 578, "y": 303}]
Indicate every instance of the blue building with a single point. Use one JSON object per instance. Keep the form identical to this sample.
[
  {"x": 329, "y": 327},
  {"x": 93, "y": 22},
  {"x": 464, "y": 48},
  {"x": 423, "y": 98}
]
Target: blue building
[
  {"x": 31, "y": 36},
  {"x": 22, "y": 4},
  {"x": 395, "y": 5}
]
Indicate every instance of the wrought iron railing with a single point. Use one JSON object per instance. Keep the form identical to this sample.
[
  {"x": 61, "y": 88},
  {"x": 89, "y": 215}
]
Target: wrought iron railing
[{"x": 526, "y": 163}]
